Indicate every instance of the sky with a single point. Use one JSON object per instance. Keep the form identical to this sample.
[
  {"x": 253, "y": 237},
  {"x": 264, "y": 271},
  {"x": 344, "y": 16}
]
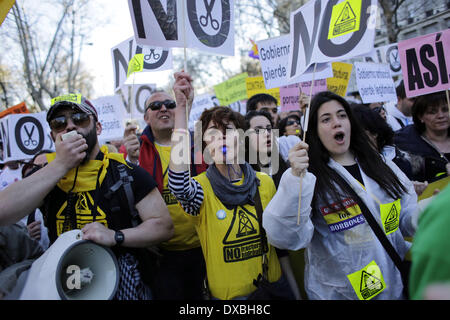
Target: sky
[{"x": 105, "y": 36}]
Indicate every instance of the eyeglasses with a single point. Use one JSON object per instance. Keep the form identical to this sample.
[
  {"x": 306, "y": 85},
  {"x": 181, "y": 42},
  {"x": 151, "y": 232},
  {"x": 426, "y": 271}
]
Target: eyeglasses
[
  {"x": 79, "y": 119},
  {"x": 259, "y": 130},
  {"x": 291, "y": 122},
  {"x": 156, "y": 105},
  {"x": 266, "y": 109}
]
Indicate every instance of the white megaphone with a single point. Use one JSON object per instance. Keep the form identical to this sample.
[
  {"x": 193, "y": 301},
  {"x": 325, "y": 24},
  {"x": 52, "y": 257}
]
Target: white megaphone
[{"x": 72, "y": 269}]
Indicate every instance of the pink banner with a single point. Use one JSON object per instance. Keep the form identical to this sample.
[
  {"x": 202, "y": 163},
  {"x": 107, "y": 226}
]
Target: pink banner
[
  {"x": 425, "y": 63},
  {"x": 289, "y": 95}
]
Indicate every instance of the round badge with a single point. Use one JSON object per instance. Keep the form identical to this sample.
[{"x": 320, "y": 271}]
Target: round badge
[{"x": 221, "y": 214}]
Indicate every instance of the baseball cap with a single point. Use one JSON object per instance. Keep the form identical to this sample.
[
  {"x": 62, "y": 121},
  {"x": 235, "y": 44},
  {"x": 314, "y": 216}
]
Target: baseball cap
[{"x": 73, "y": 100}]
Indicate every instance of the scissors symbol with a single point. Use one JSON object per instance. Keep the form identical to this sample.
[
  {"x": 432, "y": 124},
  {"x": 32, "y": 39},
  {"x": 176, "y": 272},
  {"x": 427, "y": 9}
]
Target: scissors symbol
[
  {"x": 30, "y": 140},
  {"x": 204, "y": 19},
  {"x": 156, "y": 56}
]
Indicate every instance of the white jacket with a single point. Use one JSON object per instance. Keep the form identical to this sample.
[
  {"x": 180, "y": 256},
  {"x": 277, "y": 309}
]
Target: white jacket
[
  {"x": 331, "y": 256},
  {"x": 393, "y": 114}
]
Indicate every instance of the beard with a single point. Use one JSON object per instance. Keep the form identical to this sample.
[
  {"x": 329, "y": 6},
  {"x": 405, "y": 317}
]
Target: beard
[{"x": 91, "y": 141}]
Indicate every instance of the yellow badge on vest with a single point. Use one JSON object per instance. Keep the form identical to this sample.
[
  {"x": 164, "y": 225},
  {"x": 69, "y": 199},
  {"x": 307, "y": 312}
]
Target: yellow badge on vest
[
  {"x": 390, "y": 216},
  {"x": 367, "y": 282}
]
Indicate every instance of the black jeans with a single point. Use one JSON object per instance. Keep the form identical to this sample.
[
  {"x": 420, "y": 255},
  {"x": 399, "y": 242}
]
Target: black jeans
[{"x": 180, "y": 275}]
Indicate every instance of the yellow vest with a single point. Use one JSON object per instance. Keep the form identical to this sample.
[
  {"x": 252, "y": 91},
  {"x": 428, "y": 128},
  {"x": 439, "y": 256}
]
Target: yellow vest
[
  {"x": 231, "y": 242},
  {"x": 185, "y": 237}
]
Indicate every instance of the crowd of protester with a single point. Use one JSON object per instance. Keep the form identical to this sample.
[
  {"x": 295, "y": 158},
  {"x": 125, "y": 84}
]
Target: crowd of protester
[{"x": 330, "y": 213}]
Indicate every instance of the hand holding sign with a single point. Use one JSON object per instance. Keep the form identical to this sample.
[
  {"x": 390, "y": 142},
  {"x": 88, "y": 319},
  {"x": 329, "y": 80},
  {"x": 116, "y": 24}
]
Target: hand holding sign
[
  {"x": 131, "y": 143},
  {"x": 183, "y": 89}
]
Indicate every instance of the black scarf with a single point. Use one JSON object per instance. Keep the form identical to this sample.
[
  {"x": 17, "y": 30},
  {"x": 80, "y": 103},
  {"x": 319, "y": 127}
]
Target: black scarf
[{"x": 228, "y": 193}]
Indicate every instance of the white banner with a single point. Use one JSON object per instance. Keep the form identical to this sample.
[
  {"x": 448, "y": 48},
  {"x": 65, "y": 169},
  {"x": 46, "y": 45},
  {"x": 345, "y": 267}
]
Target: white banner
[
  {"x": 200, "y": 103},
  {"x": 135, "y": 106},
  {"x": 273, "y": 56},
  {"x": 155, "y": 59},
  {"x": 24, "y": 135},
  {"x": 112, "y": 116},
  {"x": 374, "y": 82},
  {"x": 386, "y": 54},
  {"x": 209, "y": 25},
  {"x": 330, "y": 30}
]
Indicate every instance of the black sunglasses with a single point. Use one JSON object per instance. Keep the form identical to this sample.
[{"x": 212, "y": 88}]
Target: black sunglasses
[
  {"x": 156, "y": 105},
  {"x": 79, "y": 119},
  {"x": 291, "y": 122}
]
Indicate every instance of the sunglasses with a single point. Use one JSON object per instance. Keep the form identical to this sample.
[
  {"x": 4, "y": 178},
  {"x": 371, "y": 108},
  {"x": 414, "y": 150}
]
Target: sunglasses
[
  {"x": 291, "y": 122},
  {"x": 156, "y": 105},
  {"x": 79, "y": 119}
]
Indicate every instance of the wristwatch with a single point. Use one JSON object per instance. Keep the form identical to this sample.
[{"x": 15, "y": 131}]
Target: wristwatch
[{"x": 119, "y": 237}]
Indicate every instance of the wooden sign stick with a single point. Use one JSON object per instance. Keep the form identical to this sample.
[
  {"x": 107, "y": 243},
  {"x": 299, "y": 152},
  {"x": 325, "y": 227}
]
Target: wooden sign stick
[{"x": 305, "y": 129}]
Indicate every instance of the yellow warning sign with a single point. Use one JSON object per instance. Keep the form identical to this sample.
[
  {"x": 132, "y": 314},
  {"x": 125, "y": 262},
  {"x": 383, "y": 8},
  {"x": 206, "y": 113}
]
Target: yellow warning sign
[
  {"x": 367, "y": 282},
  {"x": 345, "y": 18},
  {"x": 390, "y": 215}
]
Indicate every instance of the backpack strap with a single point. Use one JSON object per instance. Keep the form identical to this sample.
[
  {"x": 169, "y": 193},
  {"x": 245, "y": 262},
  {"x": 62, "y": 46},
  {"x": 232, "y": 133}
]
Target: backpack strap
[{"x": 121, "y": 179}]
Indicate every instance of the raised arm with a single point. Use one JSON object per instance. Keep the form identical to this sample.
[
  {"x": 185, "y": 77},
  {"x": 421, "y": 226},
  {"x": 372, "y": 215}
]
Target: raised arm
[
  {"x": 280, "y": 215},
  {"x": 23, "y": 196},
  {"x": 188, "y": 191}
]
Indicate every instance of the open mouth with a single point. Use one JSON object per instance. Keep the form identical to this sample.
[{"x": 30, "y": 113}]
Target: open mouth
[
  {"x": 164, "y": 117},
  {"x": 339, "y": 137}
]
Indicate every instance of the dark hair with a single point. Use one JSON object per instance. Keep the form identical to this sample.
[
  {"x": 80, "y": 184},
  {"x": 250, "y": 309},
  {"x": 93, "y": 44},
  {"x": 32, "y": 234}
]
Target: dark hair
[
  {"x": 369, "y": 159},
  {"x": 375, "y": 124},
  {"x": 259, "y": 98},
  {"x": 400, "y": 90},
  {"x": 283, "y": 123},
  {"x": 251, "y": 114},
  {"x": 218, "y": 115},
  {"x": 31, "y": 165},
  {"x": 422, "y": 103}
]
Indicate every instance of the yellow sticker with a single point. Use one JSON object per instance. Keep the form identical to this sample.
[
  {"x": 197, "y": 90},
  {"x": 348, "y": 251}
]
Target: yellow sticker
[
  {"x": 345, "y": 18},
  {"x": 72, "y": 97},
  {"x": 136, "y": 64},
  {"x": 390, "y": 216},
  {"x": 367, "y": 282}
]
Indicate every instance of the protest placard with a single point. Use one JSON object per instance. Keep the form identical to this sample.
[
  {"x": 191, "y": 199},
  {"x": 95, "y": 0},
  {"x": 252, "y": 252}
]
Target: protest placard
[
  {"x": 425, "y": 63},
  {"x": 18, "y": 108},
  {"x": 289, "y": 95},
  {"x": 111, "y": 115},
  {"x": 341, "y": 76},
  {"x": 324, "y": 31},
  {"x": 206, "y": 26},
  {"x": 273, "y": 57},
  {"x": 24, "y": 135},
  {"x": 255, "y": 85},
  {"x": 386, "y": 54},
  {"x": 133, "y": 97},
  {"x": 5, "y": 6},
  {"x": 200, "y": 103},
  {"x": 375, "y": 82},
  {"x": 232, "y": 90},
  {"x": 155, "y": 59}
]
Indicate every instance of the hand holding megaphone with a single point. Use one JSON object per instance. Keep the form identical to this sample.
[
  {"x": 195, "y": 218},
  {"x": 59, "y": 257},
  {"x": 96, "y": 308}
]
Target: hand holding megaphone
[{"x": 99, "y": 234}]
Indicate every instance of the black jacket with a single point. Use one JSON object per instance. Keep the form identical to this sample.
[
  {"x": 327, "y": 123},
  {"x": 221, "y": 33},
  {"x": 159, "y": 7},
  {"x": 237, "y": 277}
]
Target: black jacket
[{"x": 426, "y": 161}]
